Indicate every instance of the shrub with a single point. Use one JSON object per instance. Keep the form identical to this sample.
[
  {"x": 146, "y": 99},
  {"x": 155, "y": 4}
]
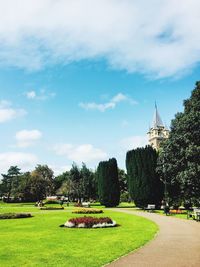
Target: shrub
[
  {"x": 90, "y": 222},
  {"x": 51, "y": 202},
  {"x": 87, "y": 211},
  {"x": 14, "y": 215},
  {"x": 52, "y": 208}
]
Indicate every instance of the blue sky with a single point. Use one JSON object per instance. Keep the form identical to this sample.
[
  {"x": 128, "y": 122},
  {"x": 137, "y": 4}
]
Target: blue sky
[{"x": 78, "y": 89}]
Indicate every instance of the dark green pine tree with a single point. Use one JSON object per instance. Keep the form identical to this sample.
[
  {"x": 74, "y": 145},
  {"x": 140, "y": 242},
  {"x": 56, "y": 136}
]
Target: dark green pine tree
[
  {"x": 144, "y": 184},
  {"x": 108, "y": 183},
  {"x": 179, "y": 160}
]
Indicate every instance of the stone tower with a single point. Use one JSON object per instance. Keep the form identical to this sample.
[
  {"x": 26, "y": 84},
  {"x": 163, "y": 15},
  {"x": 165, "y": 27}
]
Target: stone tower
[{"x": 157, "y": 132}]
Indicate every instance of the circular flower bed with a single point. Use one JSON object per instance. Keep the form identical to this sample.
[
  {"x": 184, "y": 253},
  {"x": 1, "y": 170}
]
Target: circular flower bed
[
  {"x": 14, "y": 215},
  {"x": 90, "y": 222},
  {"x": 87, "y": 211}
]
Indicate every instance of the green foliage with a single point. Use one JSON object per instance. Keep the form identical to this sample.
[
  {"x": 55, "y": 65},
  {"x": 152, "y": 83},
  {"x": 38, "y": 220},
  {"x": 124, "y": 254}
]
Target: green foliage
[
  {"x": 11, "y": 215},
  {"x": 179, "y": 160},
  {"x": 108, "y": 183},
  {"x": 10, "y": 182},
  {"x": 144, "y": 184}
]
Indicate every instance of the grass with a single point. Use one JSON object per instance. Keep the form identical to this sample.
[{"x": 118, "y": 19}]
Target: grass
[{"x": 39, "y": 241}]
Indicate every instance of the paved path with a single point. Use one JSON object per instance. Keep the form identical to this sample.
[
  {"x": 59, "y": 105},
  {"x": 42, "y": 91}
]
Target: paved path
[{"x": 176, "y": 245}]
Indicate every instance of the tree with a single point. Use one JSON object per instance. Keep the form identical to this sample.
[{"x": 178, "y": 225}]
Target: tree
[
  {"x": 179, "y": 161},
  {"x": 60, "y": 179},
  {"x": 10, "y": 181},
  {"x": 108, "y": 183},
  {"x": 144, "y": 184},
  {"x": 38, "y": 186},
  {"x": 124, "y": 194},
  {"x": 47, "y": 175}
]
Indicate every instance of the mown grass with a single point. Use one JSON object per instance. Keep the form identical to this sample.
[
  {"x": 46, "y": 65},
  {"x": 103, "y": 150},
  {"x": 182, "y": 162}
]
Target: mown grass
[{"x": 39, "y": 241}]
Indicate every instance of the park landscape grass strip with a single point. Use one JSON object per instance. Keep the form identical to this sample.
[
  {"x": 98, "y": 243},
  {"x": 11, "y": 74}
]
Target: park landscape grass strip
[{"x": 41, "y": 242}]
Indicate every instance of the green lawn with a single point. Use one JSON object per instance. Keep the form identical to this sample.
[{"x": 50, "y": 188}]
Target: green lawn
[{"x": 39, "y": 241}]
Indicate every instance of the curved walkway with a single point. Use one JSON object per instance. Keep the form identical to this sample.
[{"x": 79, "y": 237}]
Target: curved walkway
[{"x": 177, "y": 244}]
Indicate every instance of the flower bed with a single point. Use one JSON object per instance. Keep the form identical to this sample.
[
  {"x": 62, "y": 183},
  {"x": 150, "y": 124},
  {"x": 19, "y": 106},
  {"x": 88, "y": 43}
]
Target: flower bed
[
  {"x": 178, "y": 212},
  {"x": 90, "y": 222},
  {"x": 52, "y": 208},
  {"x": 14, "y": 215},
  {"x": 87, "y": 211}
]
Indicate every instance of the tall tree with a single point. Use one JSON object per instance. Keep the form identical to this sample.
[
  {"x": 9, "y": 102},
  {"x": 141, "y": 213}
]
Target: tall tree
[
  {"x": 144, "y": 184},
  {"x": 108, "y": 183},
  {"x": 179, "y": 161},
  {"x": 10, "y": 181},
  {"x": 47, "y": 175}
]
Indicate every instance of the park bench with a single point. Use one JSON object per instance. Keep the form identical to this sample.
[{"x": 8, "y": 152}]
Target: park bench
[
  {"x": 151, "y": 207},
  {"x": 196, "y": 214}
]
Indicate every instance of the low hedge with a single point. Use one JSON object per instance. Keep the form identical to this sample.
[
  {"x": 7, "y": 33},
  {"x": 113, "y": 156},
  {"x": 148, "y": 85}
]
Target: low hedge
[
  {"x": 52, "y": 208},
  {"x": 14, "y": 215},
  {"x": 87, "y": 211}
]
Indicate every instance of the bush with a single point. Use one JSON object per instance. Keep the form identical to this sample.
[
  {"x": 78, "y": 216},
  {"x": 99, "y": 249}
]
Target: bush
[
  {"x": 51, "y": 202},
  {"x": 52, "y": 208},
  {"x": 14, "y": 215},
  {"x": 90, "y": 222},
  {"x": 87, "y": 211}
]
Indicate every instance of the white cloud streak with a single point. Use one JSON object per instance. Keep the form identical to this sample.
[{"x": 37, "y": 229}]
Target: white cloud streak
[
  {"x": 80, "y": 153},
  {"x": 41, "y": 95},
  {"x": 108, "y": 105},
  {"x": 26, "y": 138},
  {"x": 7, "y": 112},
  {"x": 25, "y": 161},
  {"x": 159, "y": 38}
]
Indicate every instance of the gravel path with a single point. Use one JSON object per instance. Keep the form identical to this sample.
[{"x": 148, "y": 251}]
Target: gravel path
[{"x": 176, "y": 245}]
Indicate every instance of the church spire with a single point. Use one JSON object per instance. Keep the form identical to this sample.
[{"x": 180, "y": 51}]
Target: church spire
[
  {"x": 157, "y": 121},
  {"x": 158, "y": 132}
]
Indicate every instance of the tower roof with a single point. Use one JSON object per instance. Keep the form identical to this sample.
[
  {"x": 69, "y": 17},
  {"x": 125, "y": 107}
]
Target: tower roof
[{"x": 156, "y": 119}]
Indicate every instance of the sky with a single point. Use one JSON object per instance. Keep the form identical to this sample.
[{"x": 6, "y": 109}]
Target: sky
[{"x": 79, "y": 78}]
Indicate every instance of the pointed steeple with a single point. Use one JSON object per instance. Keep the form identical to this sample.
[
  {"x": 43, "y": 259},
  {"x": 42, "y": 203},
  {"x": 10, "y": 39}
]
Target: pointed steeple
[{"x": 156, "y": 119}]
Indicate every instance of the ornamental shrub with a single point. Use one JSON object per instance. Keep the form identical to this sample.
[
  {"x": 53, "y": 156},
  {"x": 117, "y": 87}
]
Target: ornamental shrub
[
  {"x": 52, "y": 208},
  {"x": 14, "y": 215},
  {"x": 87, "y": 211}
]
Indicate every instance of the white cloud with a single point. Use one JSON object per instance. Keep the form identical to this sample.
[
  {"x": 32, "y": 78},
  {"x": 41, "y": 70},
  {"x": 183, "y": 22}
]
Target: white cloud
[
  {"x": 31, "y": 94},
  {"x": 26, "y": 138},
  {"x": 25, "y": 161},
  {"x": 153, "y": 37},
  {"x": 133, "y": 142},
  {"x": 41, "y": 95},
  {"x": 80, "y": 153},
  {"x": 7, "y": 112},
  {"x": 59, "y": 169},
  {"x": 108, "y": 105}
]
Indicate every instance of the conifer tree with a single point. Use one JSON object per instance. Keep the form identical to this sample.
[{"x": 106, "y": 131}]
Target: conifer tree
[
  {"x": 108, "y": 183},
  {"x": 144, "y": 185}
]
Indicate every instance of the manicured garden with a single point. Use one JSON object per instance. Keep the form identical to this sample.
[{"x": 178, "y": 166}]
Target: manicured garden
[{"x": 39, "y": 241}]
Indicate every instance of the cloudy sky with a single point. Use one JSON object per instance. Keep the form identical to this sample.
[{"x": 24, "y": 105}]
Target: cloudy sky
[{"x": 79, "y": 78}]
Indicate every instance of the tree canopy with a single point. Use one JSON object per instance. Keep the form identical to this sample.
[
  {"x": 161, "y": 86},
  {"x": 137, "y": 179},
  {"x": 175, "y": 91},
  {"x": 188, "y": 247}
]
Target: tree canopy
[{"x": 179, "y": 160}]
